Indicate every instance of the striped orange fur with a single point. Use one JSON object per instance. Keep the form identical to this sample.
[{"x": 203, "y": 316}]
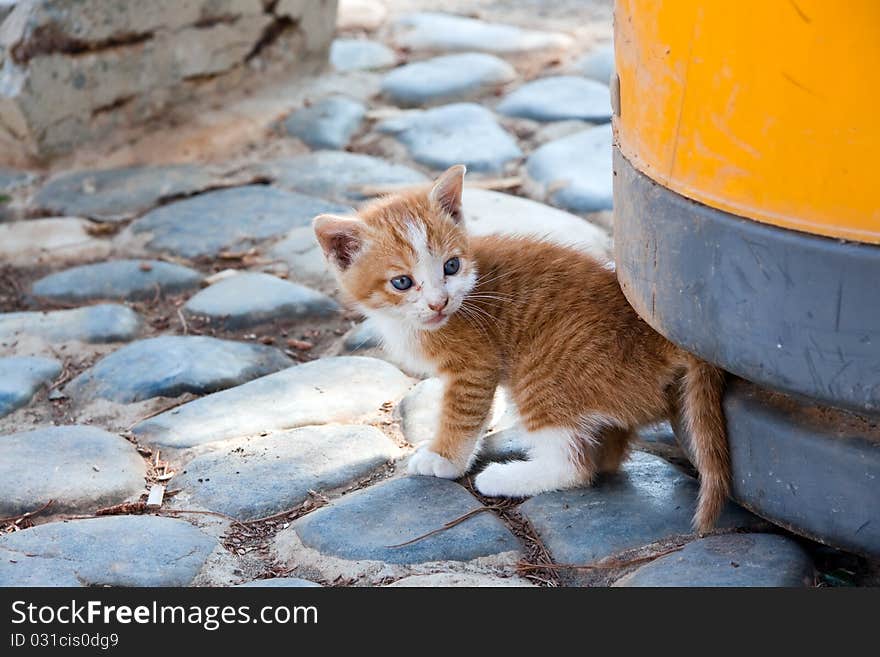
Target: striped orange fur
[{"x": 547, "y": 322}]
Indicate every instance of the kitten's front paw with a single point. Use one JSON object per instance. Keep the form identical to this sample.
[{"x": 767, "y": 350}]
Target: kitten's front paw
[
  {"x": 427, "y": 462},
  {"x": 495, "y": 481}
]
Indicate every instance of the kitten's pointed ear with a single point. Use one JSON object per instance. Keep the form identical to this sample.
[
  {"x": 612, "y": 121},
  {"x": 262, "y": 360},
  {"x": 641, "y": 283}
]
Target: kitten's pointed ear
[
  {"x": 447, "y": 191},
  {"x": 341, "y": 238}
]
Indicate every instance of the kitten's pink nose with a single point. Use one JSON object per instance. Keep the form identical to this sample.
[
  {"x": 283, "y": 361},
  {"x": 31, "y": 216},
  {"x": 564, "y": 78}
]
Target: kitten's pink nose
[{"x": 440, "y": 305}]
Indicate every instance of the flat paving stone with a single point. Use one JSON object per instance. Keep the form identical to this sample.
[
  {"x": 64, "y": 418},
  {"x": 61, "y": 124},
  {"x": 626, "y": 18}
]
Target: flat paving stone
[
  {"x": 280, "y": 582},
  {"x": 362, "y": 337},
  {"x": 742, "y": 560},
  {"x": 575, "y": 172},
  {"x": 171, "y": 365},
  {"x": 361, "y": 526},
  {"x": 249, "y": 478},
  {"x": 119, "y": 194},
  {"x": 11, "y": 179},
  {"x": 254, "y": 298},
  {"x": 461, "y": 133},
  {"x": 300, "y": 252},
  {"x": 117, "y": 279},
  {"x": 81, "y": 468},
  {"x": 338, "y": 389},
  {"x": 235, "y": 218},
  {"x": 434, "y": 31},
  {"x": 559, "y": 98},
  {"x": 446, "y": 78},
  {"x": 598, "y": 64},
  {"x": 110, "y": 551},
  {"x": 96, "y": 324},
  {"x": 21, "y": 377},
  {"x": 327, "y": 123},
  {"x": 55, "y": 241},
  {"x": 469, "y": 580},
  {"x": 495, "y": 213},
  {"x": 337, "y": 175},
  {"x": 360, "y": 55},
  {"x": 648, "y": 500}
]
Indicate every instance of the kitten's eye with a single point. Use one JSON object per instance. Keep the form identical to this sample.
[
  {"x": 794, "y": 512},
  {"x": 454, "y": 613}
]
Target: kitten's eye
[
  {"x": 452, "y": 266},
  {"x": 401, "y": 283}
]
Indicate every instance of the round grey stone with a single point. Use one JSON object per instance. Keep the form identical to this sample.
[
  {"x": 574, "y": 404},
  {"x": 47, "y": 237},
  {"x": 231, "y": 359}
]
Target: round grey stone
[
  {"x": 254, "y": 298},
  {"x": 101, "y": 323},
  {"x": 446, "y": 78},
  {"x": 488, "y": 212},
  {"x": 598, "y": 64},
  {"x": 81, "y": 468},
  {"x": 559, "y": 98},
  {"x": 233, "y": 218},
  {"x": 360, "y": 55},
  {"x": 119, "y": 194},
  {"x": 461, "y": 133},
  {"x": 338, "y": 389},
  {"x": 338, "y": 175},
  {"x": 169, "y": 366},
  {"x": 11, "y": 179},
  {"x": 302, "y": 254},
  {"x": 434, "y": 31},
  {"x": 280, "y": 582},
  {"x": 742, "y": 560},
  {"x": 575, "y": 172},
  {"x": 50, "y": 241},
  {"x": 21, "y": 377},
  {"x": 365, "y": 524},
  {"x": 109, "y": 551},
  {"x": 362, "y": 337},
  {"x": 648, "y": 500},
  {"x": 250, "y": 478},
  {"x": 117, "y": 279},
  {"x": 328, "y": 123}
]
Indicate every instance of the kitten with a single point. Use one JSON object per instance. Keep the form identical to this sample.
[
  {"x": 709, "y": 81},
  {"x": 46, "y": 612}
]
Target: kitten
[{"x": 547, "y": 322}]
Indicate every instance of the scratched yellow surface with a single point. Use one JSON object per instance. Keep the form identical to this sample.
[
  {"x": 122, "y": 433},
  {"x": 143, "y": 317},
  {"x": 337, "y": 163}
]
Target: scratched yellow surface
[{"x": 767, "y": 109}]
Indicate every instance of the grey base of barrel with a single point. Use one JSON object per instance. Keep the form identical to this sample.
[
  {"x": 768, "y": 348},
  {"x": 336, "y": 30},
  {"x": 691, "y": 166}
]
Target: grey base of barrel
[
  {"x": 811, "y": 469},
  {"x": 785, "y": 309}
]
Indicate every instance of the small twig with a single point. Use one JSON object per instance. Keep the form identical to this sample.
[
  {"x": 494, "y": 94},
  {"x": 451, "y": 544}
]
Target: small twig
[
  {"x": 164, "y": 512},
  {"x": 183, "y": 321},
  {"x": 160, "y": 411},
  {"x": 448, "y": 525},
  {"x": 321, "y": 501},
  {"x": 30, "y": 514},
  {"x": 605, "y": 565}
]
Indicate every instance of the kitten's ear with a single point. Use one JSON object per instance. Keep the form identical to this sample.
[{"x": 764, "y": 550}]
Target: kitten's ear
[
  {"x": 340, "y": 238},
  {"x": 447, "y": 191}
]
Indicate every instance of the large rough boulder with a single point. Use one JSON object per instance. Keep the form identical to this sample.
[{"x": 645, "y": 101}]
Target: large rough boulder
[{"x": 71, "y": 69}]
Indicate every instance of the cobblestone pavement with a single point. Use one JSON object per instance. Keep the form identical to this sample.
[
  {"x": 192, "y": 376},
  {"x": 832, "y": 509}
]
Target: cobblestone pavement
[{"x": 172, "y": 327}]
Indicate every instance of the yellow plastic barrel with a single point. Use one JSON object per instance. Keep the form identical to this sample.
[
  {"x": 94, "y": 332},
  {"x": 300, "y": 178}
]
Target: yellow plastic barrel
[{"x": 766, "y": 109}]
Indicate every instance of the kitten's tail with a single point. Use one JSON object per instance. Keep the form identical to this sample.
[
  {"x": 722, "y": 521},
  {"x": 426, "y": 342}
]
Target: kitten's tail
[{"x": 702, "y": 412}]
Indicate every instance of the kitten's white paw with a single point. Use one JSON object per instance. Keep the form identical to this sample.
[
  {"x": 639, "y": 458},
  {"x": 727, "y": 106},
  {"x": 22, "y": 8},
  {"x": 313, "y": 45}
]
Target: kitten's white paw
[
  {"x": 495, "y": 481},
  {"x": 427, "y": 462}
]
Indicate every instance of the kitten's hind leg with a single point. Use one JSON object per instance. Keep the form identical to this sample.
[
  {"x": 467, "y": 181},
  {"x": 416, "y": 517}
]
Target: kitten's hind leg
[{"x": 558, "y": 458}]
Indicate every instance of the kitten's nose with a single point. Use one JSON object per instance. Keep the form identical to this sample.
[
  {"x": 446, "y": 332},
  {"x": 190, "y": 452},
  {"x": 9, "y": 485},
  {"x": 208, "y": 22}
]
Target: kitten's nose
[{"x": 440, "y": 305}]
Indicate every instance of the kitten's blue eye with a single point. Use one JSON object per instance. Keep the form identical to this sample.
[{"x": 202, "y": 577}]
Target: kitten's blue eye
[
  {"x": 401, "y": 283},
  {"x": 452, "y": 266}
]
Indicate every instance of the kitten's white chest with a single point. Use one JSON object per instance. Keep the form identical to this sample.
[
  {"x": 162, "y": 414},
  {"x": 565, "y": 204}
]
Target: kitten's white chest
[{"x": 403, "y": 347}]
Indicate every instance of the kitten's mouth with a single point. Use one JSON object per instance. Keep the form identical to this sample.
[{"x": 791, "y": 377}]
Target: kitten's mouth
[{"x": 436, "y": 320}]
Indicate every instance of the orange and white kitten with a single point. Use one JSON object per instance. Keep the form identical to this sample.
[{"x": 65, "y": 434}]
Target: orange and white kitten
[{"x": 544, "y": 321}]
